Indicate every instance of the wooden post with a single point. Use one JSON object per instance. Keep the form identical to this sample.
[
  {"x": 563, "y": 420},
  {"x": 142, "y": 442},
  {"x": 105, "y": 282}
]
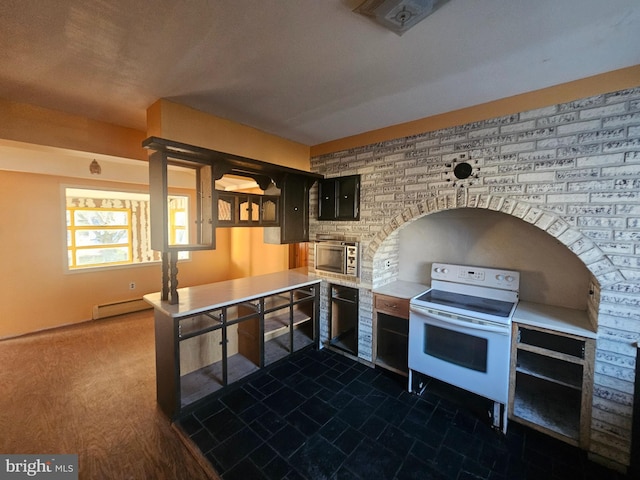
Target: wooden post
[{"x": 173, "y": 277}]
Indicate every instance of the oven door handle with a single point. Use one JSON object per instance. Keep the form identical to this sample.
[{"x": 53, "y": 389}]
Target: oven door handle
[{"x": 462, "y": 321}]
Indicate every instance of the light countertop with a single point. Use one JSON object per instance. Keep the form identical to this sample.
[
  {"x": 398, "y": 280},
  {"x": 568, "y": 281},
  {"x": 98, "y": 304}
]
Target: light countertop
[
  {"x": 560, "y": 319},
  {"x": 192, "y": 300},
  {"x": 401, "y": 289}
]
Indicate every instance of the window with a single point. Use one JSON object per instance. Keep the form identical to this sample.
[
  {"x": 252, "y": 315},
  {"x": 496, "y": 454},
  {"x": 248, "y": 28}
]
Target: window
[{"x": 106, "y": 228}]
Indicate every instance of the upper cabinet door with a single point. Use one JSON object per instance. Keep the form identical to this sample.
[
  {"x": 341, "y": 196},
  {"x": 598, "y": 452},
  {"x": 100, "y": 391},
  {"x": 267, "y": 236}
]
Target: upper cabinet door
[
  {"x": 269, "y": 210},
  {"x": 327, "y": 199},
  {"x": 248, "y": 209},
  {"x": 339, "y": 198},
  {"x": 227, "y": 210},
  {"x": 295, "y": 210},
  {"x": 348, "y": 201}
]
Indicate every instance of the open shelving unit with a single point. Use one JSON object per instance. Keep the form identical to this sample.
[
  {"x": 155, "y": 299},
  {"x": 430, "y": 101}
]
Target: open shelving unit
[
  {"x": 391, "y": 330},
  {"x": 285, "y": 326},
  {"x": 343, "y": 319},
  {"x": 551, "y": 382},
  {"x": 198, "y": 355}
]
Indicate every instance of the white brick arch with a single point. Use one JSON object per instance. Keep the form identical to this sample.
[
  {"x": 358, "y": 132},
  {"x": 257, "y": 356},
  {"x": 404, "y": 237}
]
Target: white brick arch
[
  {"x": 603, "y": 270},
  {"x": 605, "y": 405}
]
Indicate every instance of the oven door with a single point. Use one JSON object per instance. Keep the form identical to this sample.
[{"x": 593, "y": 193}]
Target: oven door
[{"x": 463, "y": 351}]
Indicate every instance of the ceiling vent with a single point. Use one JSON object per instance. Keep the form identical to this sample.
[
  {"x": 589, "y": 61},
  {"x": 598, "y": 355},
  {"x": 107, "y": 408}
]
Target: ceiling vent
[{"x": 398, "y": 15}]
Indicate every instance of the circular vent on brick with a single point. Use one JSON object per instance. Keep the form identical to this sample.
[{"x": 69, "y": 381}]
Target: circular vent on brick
[{"x": 462, "y": 171}]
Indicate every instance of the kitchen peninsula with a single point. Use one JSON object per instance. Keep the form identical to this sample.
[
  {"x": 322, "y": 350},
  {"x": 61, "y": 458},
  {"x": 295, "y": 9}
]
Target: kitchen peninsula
[{"x": 222, "y": 332}]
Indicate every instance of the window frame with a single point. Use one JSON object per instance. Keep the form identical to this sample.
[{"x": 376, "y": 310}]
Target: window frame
[
  {"x": 72, "y": 229},
  {"x": 136, "y": 232}
]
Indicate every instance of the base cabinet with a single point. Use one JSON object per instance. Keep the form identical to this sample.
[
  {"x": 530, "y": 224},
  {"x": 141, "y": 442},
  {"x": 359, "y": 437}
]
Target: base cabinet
[
  {"x": 391, "y": 333},
  {"x": 343, "y": 318},
  {"x": 551, "y": 382},
  {"x": 200, "y": 354}
]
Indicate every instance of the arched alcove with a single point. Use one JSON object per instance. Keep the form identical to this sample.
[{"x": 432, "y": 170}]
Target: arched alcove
[
  {"x": 559, "y": 265},
  {"x": 550, "y": 272}
]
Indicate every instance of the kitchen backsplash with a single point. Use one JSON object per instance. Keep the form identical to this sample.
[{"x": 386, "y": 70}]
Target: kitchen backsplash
[{"x": 572, "y": 170}]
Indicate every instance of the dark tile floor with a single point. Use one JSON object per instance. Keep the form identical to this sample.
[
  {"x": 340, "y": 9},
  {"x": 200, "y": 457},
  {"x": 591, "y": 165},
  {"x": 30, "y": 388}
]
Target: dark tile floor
[{"x": 320, "y": 415}]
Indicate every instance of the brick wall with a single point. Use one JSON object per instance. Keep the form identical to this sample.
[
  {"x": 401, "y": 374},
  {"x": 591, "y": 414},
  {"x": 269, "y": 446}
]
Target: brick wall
[{"x": 572, "y": 169}]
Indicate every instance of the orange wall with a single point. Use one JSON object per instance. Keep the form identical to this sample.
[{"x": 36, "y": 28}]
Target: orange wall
[
  {"x": 30, "y": 124},
  {"x": 176, "y": 122},
  {"x": 37, "y": 294}
]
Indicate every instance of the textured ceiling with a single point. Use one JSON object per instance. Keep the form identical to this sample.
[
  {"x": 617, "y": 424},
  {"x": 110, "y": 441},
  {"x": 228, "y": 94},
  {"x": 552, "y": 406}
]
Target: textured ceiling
[{"x": 306, "y": 70}]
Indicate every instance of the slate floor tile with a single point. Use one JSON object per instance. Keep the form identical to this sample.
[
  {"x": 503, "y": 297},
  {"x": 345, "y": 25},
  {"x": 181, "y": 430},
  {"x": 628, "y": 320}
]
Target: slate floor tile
[
  {"x": 396, "y": 440},
  {"x": 235, "y": 448},
  {"x": 367, "y": 462},
  {"x": 318, "y": 410},
  {"x": 320, "y": 415},
  {"x": 238, "y": 400},
  {"x": 355, "y": 413},
  {"x": 333, "y": 429},
  {"x": 302, "y": 422},
  {"x": 348, "y": 440},
  {"x": 287, "y": 441},
  {"x": 244, "y": 471},
  {"x": 317, "y": 459},
  {"x": 223, "y": 424}
]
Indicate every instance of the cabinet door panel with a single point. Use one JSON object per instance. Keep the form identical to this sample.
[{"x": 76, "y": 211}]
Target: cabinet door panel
[
  {"x": 339, "y": 198},
  {"x": 226, "y": 209},
  {"x": 327, "y": 199},
  {"x": 348, "y": 199},
  {"x": 269, "y": 210},
  {"x": 295, "y": 219}
]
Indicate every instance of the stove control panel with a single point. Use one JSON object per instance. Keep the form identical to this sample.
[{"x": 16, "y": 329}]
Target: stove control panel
[{"x": 471, "y": 275}]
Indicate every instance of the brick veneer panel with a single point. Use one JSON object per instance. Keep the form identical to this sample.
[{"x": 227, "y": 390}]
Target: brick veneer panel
[{"x": 572, "y": 169}]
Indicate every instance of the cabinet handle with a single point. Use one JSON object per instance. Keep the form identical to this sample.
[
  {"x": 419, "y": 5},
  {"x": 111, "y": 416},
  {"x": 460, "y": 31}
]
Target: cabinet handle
[{"x": 391, "y": 305}]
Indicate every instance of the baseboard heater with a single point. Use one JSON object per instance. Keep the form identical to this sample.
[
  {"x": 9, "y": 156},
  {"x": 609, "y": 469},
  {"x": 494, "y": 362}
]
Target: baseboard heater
[{"x": 119, "y": 308}]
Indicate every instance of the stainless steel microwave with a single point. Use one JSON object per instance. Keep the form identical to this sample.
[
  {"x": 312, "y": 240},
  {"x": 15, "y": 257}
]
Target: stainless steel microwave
[{"x": 336, "y": 256}]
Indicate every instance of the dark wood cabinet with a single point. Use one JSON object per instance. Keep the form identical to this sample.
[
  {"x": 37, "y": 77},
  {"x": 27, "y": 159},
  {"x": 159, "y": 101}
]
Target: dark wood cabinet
[
  {"x": 247, "y": 210},
  {"x": 174, "y": 164},
  {"x": 339, "y": 198},
  {"x": 294, "y": 212}
]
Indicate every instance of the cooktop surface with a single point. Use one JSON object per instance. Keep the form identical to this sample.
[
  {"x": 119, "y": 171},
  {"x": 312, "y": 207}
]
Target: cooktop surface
[{"x": 471, "y": 303}]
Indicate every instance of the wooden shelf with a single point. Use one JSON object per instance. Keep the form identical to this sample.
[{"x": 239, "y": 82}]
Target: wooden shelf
[
  {"x": 207, "y": 380},
  {"x": 550, "y": 369},
  {"x": 278, "y": 324},
  {"x": 552, "y": 407},
  {"x": 278, "y": 347},
  {"x": 346, "y": 341}
]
